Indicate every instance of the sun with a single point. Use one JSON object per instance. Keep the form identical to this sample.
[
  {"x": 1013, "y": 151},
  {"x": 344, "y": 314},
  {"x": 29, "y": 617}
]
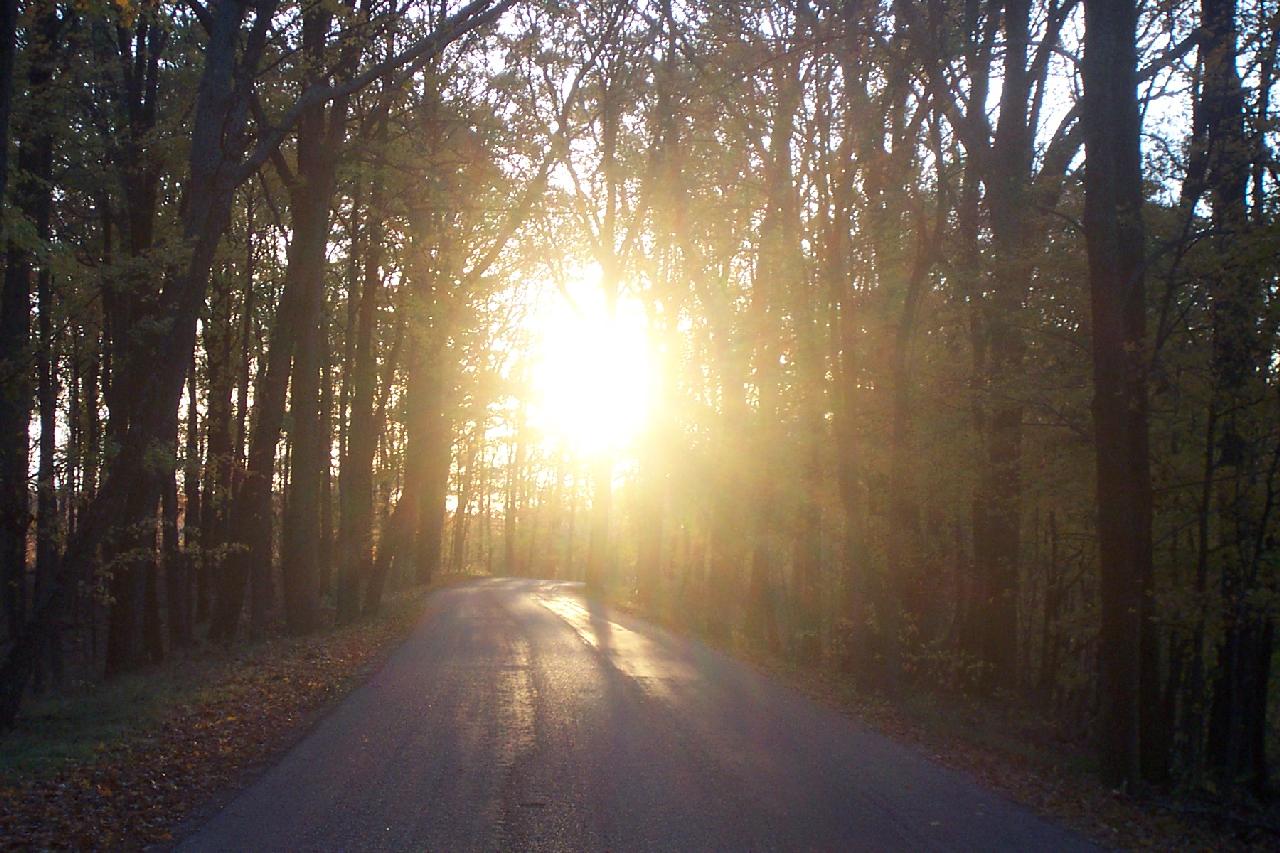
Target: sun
[{"x": 592, "y": 374}]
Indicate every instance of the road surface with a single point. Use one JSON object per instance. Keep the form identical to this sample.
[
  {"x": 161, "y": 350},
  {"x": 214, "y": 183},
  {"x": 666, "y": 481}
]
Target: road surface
[{"x": 518, "y": 716}]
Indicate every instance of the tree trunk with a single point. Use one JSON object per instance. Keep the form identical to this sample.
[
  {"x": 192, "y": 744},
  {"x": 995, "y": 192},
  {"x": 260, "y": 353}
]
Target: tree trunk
[
  {"x": 251, "y": 511},
  {"x": 15, "y": 417},
  {"x": 1236, "y": 749},
  {"x": 997, "y": 534},
  {"x": 177, "y": 565},
  {"x": 197, "y": 566},
  {"x": 213, "y": 521},
  {"x": 8, "y": 50},
  {"x": 430, "y": 542},
  {"x": 427, "y": 424},
  {"x": 355, "y": 476},
  {"x": 1114, "y": 234},
  {"x": 458, "y": 556},
  {"x": 310, "y": 197},
  {"x": 47, "y": 526},
  {"x": 32, "y": 198},
  {"x": 300, "y": 534},
  {"x": 132, "y": 306}
]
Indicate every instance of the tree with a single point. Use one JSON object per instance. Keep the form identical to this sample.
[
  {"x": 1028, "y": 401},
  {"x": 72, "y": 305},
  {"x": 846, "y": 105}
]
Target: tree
[
  {"x": 219, "y": 161},
  {"x": 1116, "y": 248}
]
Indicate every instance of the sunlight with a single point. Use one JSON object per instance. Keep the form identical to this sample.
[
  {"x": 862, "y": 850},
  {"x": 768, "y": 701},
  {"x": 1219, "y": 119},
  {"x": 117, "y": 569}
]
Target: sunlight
[{"x": 591, "y": 373}]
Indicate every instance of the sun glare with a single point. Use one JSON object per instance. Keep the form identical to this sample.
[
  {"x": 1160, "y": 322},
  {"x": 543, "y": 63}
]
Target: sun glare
[{"x": 591, "y": 373}]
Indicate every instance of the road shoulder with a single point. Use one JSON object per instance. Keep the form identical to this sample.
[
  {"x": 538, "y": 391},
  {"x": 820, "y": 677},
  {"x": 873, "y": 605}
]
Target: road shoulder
[
  {"x": 141, "y": 761},
  {"x": 1008, "y": 747}
]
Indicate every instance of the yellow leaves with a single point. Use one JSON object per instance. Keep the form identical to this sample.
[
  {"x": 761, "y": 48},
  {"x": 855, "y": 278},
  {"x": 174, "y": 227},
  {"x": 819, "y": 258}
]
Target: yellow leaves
[{"x": 125, "y": 10}]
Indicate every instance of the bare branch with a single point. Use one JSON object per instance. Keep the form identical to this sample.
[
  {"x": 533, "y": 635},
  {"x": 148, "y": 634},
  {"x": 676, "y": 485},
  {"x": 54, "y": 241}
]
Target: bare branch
[{"x": 474, "y": 15}]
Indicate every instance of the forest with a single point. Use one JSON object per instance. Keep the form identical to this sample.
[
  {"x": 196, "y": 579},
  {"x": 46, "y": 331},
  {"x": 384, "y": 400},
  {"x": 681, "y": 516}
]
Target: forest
[{"x": 926, "y": 343}]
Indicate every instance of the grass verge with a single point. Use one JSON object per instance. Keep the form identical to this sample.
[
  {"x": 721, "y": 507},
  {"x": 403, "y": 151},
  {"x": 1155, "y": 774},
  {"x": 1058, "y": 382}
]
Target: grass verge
[{"x": 123, "y": 764}]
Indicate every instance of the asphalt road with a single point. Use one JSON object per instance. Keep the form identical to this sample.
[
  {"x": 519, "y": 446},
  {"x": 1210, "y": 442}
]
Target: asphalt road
[{"x": 520, "y": 717}]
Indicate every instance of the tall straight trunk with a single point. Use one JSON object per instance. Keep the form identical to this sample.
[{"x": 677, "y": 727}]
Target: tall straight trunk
[
  {"x": 250, "y": 513},
  {"x": 152, "y": 626},
  {"x": 295, "y": 343},
  {"x": 90, "y": 455},
  {"x": 428, "y": 426},
  {"x": 177, "y": 565},
  {"x": 219, "y": 459},
  {"x": 510, "y": 510},
  {"x": 47, "y": 521},
  {"x": 355, "y": 477},
  {"x": 15, "y": 417},
  {"x": 842, "y": 316},
  {"x": 394, "y": 531},
  {"x": 355, "y": 254},
  {"x": 514, "y": 505},
  {"x": 599, "y": 550},
  {"x": 15, "y": 386},
  {"x": 997, "y": 534},
  {"x": 393, "y": 546},
  {"x": 807, "y": 546},
  {"x": 310, "y": 198},
  {"x": 776, "y": 278},
  {"x": 996, "y": 293},
  {"x": 1238, "y": 713},
  {"x": 761, "y": 603},
  {"x": 810, "y": 366},
  {"x": 74, "y": 430},
  {"x": 537, "y": 509},
  {"x": 324, "y": 565},
  {"x": 1115, "y": 237},
  {"x": 199, "y": 580},
  {"x": 434, "y": 472},
  {"x": 669, "y": 230},
  {"x": 35, "y": 160},
  {"x": 8, "y": 50},
  {"x": 300, "y": 532},
  {"x": 458, "y": 557},
  {"x": 486, "y": 502},
  {"x": 131, "y": 305},
  {"x": 905, "y": 514},
  {"x": 32, "y": 198},
  {"x": 246, "y": 337},
  {"x": 727, "y": 515},
  {"x": 1054, "y": 592},
  {"x": 568, "y": 536}
]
